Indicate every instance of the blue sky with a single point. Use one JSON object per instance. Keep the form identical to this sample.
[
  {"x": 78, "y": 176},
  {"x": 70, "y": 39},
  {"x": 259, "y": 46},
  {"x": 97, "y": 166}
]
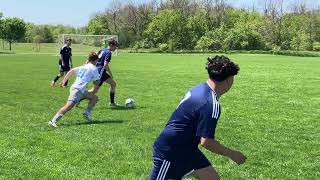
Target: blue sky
[{"x": 72, "y": 12}]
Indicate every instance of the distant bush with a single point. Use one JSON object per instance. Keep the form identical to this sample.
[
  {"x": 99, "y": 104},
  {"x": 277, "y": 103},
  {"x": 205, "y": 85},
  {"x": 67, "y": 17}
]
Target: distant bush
[
  {"x": 297, "y": 53},
  {"x": 316, "y": 46},
  {"x": 163, "y": 47}
]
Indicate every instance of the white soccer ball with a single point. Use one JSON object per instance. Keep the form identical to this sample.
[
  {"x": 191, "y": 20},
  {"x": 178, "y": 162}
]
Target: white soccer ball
[{"x": 129, "y": 103}]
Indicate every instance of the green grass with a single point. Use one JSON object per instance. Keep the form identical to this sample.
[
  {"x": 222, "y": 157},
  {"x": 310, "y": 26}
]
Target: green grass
[{"x": 271, "y": 114}]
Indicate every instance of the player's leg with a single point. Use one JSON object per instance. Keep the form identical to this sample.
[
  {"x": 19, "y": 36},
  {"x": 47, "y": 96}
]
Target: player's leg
[
  {"x": 112, "y": 91},
  {"x": 94, "y": 90},
  {"x": 67, "y": 107},
  {"x": 74, "y": 97},
  {"x": 66, "y": 70},
  {"x": 93, "y": 99},
  {"x": 207, "y": 173},
  {"x": 96, "y": 87},
  {"x": 202, "y": 168},
  {"x": 53, "y": 82}
]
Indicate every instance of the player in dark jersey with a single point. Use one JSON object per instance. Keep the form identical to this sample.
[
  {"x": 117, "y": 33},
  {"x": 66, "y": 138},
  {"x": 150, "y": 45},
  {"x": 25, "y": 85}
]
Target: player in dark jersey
[
  {"x": 175, "y": 151},
  {"x": 103, "y": 66},
  {"x": 65, "y": 61}
]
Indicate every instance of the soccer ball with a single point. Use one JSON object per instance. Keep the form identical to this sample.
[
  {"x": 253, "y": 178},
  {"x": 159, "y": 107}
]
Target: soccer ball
[{"x": 129, "y": 103}]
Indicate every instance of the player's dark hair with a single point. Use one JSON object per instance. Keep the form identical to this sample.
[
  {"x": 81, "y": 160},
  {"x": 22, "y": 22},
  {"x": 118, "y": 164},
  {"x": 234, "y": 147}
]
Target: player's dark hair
[
  {"x": 93, "y": 56},
  {"x": 113, "y": 42},
  {"x": 221, "y": 67}
]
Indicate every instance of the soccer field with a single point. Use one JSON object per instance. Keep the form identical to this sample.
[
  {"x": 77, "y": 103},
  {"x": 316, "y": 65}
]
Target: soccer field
[{"x": 271, "y": 114}]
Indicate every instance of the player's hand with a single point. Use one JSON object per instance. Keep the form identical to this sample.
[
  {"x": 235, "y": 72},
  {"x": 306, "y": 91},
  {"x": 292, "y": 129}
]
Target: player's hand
[
  {"x": 238, "y": 157},
  {"x": 62, "y": 84}
]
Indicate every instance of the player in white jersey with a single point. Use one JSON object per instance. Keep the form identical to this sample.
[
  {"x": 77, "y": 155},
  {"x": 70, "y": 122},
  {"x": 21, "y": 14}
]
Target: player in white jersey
[{"x": 78, "y": 90}]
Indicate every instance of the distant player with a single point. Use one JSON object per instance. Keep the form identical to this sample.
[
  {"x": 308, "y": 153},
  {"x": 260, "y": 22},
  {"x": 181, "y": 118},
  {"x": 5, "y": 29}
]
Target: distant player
[
  {"x": 175, "y": 151},
  {"x": 65, "y": 61},
  {"x": 85, "y": 73},
  {"x": 103, "y": 66}
]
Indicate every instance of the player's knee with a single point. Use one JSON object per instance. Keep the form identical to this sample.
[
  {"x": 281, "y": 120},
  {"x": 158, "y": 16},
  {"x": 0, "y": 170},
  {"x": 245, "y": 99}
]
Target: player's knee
[
  {"x": 96, "y": 99},
  {"x": 95, "y": 90},
  {"x": 113, "y": 84},
  {"x": 206, "y": 173}
]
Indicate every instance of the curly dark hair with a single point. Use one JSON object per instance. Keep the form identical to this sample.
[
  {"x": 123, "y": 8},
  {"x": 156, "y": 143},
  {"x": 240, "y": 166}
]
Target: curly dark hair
[
  {"x": 113, "y": 42},
  {"x": 221, "y": 67}
]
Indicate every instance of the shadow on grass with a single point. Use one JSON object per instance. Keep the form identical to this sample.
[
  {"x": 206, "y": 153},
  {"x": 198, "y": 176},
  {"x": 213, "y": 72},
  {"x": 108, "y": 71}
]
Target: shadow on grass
[
  {"x": 2, "y": 52},
  {"x": 94, "y": 122},
  {"x": 119, "y": 108}
]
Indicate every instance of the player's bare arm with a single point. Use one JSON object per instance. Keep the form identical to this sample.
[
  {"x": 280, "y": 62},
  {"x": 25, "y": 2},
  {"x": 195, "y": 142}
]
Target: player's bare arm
[
  {"x": 68, "y": 75},
  {"x": 107, "y": 68},
  {"x": 71, "y": 65},
  {"x": 215, "y": 147},
  {"x": 62, "y": 61}
]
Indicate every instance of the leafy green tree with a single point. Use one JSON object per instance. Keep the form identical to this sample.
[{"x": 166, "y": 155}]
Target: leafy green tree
[
  {"x": 46, "y": 34},
  {"x": 98, "y": 25},
  {"x": 14, "y": 29},
  {"x": 1, "y": 25},
  {"x": 61, "y": 29},
  {"x": 30, "y": 32},
  {"x": 169, "y": 27},
  {"x": 197, "y": 27},
  {"x": 245, "y": 30},
  {"x": 214, "y": 40}
]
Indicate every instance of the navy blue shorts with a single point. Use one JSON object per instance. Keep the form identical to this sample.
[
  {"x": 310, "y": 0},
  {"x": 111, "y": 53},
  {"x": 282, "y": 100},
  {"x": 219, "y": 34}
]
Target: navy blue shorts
[
  {"x": 64, "y": 68},
  {"x": 104, "y": 77},
  {"x": 178, "y": 167}
]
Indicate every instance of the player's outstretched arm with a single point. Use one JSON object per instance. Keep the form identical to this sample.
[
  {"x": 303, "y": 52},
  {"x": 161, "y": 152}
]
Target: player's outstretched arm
[
  {"x": 70, "y": 62},
  {"x": 215, "y": 147},
  {"x": 67, "y": 76},
  {"x": 61, "y": 58}
]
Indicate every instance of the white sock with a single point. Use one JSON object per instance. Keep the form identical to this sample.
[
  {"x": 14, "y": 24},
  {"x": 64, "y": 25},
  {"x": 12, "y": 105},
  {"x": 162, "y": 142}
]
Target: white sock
[{"x": 56, "y": 118}]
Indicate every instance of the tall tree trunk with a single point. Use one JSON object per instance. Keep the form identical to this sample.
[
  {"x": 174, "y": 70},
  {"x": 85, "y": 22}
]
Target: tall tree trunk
[{"x": 10, "y": 45}]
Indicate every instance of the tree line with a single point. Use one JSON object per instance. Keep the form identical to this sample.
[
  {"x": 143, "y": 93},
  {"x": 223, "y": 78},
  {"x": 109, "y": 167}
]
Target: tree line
[
  {"x": 210, "y": 25},
  {"x": 172, "y": 25},
  {"x": 13, "y": 29}
]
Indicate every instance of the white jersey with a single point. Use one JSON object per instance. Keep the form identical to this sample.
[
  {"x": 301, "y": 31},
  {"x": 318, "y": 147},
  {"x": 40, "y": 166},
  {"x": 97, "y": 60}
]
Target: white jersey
[{"x": 85, "y": 74}]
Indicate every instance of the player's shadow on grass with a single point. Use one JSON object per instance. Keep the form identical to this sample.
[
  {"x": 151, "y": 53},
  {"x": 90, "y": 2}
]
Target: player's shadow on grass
[
  {"x": 122, "y": 108},
  {"x": 119, "y": 108},
  {"x": 95, "y": 122}
]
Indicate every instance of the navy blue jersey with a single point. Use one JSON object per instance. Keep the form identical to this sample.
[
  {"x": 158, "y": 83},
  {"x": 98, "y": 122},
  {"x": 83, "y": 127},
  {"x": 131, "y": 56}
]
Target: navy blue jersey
[
  {"x": 66, "y": 53},
  {"x": 104, "y": 56},
  {"x": 196, "y": 116}
]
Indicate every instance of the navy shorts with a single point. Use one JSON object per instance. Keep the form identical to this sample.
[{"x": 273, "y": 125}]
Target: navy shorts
[
  {"x": 64, "y": 68},
  {"x": 178, "y": 167},
  {"x": 104, "y": 77}
]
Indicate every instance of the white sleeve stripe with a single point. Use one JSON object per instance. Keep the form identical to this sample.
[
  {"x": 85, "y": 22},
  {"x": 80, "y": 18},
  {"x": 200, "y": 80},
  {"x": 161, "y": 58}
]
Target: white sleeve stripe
[{"x": 215, "y": 107}]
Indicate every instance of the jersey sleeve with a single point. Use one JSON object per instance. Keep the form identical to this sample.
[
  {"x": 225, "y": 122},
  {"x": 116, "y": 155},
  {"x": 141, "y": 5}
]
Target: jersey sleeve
[
  {"x": 208, "y": 118},
  {"x": 61, "y": 50},
  {"x": 107, "y": 57}
]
